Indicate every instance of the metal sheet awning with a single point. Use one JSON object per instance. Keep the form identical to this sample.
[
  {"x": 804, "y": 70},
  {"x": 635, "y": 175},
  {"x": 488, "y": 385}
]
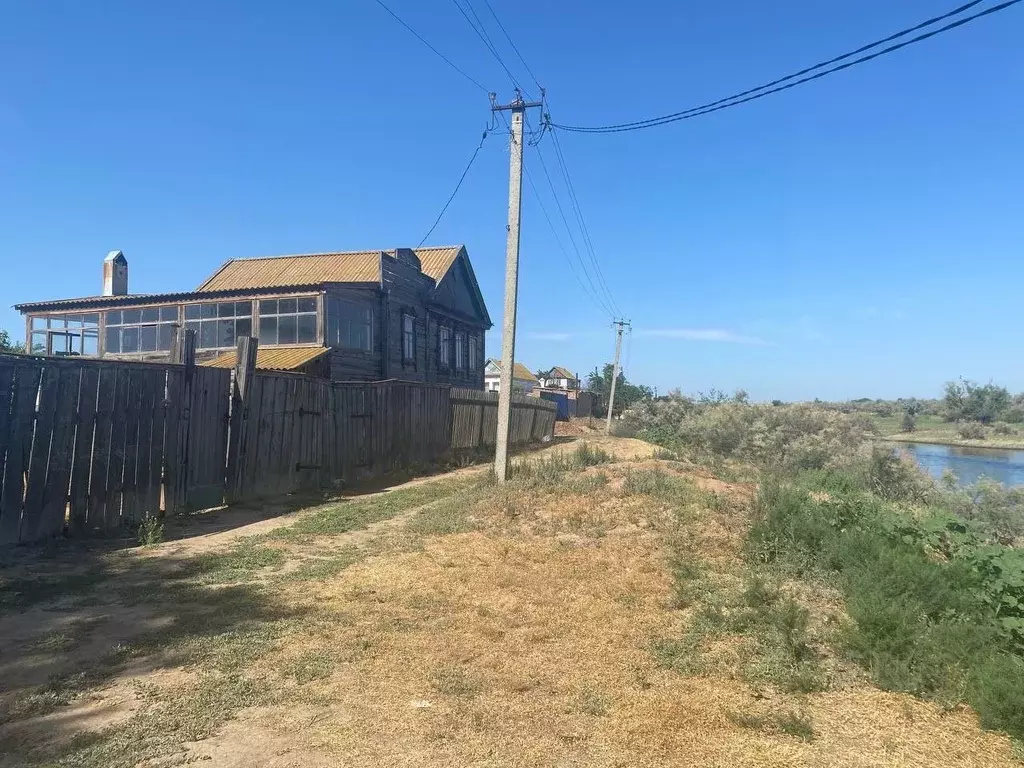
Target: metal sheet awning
[{"x": 272, "y": 358}]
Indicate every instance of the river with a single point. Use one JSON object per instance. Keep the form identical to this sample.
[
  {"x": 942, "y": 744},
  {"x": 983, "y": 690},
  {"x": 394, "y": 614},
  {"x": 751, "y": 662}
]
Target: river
[{"x": 968, "y": 464}]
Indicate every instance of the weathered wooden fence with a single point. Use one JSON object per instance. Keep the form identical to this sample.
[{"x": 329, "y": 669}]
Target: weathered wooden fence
[
  {"x": 93, "y": 446},
  {"x": 475, "y": 419}
]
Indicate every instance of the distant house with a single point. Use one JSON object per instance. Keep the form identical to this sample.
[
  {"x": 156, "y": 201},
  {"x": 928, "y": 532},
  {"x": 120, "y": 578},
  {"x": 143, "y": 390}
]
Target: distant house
[
  {"x": 522, "y": 379},
  {"x": 560, "y": 378},
  {"x": 413, "y": 314}
]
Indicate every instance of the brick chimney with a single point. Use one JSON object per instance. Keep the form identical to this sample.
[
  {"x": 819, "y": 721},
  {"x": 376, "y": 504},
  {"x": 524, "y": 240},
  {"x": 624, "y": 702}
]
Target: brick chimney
[{"x": 115, "y": 274}]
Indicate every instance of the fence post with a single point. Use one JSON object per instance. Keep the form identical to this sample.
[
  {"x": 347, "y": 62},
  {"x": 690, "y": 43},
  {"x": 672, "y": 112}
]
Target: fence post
[
  {"x": 177, "y": 485},
  {"x": 245, "y": 369}
]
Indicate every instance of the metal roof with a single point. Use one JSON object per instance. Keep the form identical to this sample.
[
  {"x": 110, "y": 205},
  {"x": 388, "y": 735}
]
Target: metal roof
[
  {"x": 253, "y": 275},
  {"x": 319, "y": 268},
  {"x": 519, "y": 371},
  {"x": 437, "y": 261},
  {"x": 271, "y": 358},
  {"x": 558, "y": 372}
]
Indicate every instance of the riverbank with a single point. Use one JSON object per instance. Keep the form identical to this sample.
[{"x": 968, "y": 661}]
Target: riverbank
[{"x": 932, "y": 429}]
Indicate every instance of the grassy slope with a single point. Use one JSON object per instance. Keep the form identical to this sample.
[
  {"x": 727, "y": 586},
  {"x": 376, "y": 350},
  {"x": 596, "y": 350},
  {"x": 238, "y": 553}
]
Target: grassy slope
[
  {"x": 588, "y": 613},
  {"x": 932, "y": 429}
]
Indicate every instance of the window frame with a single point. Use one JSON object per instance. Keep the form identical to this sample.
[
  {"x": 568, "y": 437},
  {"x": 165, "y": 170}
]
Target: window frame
[
  {"x": 316, "y": 313},
  {"x": 444, "y": 346},
  {"x": 74, "y": 328},
  {"x": 408, "y": 337},
  {"x": 167, "y": 319},
  {"x": 461, "y": 350},
  {"x": 473, "y": 351},
  {"x": 210, "y": 313},
  {"x": 341, "y": 319}
]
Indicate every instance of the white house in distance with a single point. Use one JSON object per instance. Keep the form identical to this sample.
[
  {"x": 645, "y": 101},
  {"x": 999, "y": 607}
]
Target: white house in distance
[
  {"x": 560, "y": 378},
  {"x": 522, "y": 380}
]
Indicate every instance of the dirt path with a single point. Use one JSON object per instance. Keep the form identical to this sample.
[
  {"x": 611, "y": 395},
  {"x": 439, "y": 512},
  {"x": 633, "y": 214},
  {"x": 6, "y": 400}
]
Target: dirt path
[{"x": 447, "y": 622}]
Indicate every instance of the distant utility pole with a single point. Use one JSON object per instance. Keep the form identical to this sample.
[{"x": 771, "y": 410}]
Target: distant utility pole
[
  {"x": 508, "y": 330},
  {"x": 620, "y": 324}
]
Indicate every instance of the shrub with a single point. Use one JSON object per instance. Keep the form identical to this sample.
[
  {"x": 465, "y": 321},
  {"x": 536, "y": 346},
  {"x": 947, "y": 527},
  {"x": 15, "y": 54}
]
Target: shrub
[
  {"x": 971, "y": 430},
  {"x": 935, "y": 609},
  {"x": 1014, "y": 414},
  {"x": 1002, "y": 428},
  {"x": 799, "y": 436},
  {"x": 151, "y": 531},
  {"x": 909, "y": 422}
]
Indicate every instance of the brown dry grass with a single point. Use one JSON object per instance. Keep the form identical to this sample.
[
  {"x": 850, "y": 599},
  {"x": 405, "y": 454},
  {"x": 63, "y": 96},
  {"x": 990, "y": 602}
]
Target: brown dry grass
[{"x": 525, "y": 639}]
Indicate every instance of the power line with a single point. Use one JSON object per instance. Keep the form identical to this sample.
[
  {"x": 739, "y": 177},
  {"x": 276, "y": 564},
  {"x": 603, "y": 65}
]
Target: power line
[
  {"x": 419, "y": 37},
  {"x": 572, "y": 239},
  {"x": 456, "y": 190},
  {"x": 759, "y": 92},
  {"x": 561, "y": 247},
  {"x": 514, "y": 48},
  {"x": 583, "y": 226},
  {"x": 485, "y": 39}
]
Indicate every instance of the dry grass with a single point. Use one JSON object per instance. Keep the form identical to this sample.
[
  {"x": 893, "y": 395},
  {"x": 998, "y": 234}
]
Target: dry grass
[{"x": 514, "y": 626}]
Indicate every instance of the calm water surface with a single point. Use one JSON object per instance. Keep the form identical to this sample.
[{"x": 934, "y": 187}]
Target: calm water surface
[{"x": 968, "y": 464}]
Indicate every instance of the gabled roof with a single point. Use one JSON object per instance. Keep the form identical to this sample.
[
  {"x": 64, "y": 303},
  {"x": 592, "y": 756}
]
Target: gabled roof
[
  {"x": 519, "y": 371},
  {"x": 558, "y": 372},
  {"x": 317, "y": 268}
]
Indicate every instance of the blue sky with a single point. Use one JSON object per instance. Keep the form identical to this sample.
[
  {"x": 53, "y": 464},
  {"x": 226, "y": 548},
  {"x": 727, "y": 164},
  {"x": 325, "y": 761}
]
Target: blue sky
[{"x": 858, "y": 236}]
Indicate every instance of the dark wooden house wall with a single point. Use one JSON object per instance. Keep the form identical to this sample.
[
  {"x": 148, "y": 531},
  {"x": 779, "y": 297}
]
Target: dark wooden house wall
[{"x": 407, "y": 292}]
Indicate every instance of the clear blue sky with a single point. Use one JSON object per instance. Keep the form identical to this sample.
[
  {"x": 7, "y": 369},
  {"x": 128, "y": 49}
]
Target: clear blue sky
[{"x": 859, "y": 236}]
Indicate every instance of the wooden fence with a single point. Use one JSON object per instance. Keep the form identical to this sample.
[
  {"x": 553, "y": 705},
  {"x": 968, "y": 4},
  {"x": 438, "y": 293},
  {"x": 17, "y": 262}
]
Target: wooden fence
[
  {"x": 94, "y": 446},
  {"x": 475, "y": 419}
]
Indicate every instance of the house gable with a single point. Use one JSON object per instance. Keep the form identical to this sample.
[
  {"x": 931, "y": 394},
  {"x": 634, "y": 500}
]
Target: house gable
[{"x": 458, "y": 292}]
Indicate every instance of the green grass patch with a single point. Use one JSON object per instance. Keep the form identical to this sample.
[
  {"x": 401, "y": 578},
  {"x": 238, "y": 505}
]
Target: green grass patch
[
  {"x": 166, "y": 720},
  {"x": 357, "y": 513},
  {"x": 239, "y": 563},
  {"x": 549, "y": 472},
  {"x": 590, "y": 702},
  {"x": 453, "y": 680},
  {"x": 311, "y": 665},
  {"x": 791, "y": 723},
  {"x": 322, "y": 568},
  {"x": 660, "y": 485}
]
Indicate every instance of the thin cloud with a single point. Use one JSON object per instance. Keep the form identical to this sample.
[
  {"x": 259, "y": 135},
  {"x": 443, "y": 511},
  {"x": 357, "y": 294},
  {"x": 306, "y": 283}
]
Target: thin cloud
[
  {"x": 716, "y": 335},
  {"x": 549, "y": 336}
]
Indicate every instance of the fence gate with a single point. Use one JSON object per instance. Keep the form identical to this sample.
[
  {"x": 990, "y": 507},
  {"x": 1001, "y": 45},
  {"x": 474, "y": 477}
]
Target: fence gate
[{"x": 197, "y": 401}]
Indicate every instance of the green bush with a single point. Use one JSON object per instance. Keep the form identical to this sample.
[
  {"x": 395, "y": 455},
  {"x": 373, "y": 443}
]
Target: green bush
[
  {"x": 936, "y": 609},
  {"x": 971, "y": 430},
  {"x": 792, "y": 437},
  {"x": 1014, "y": 414}
]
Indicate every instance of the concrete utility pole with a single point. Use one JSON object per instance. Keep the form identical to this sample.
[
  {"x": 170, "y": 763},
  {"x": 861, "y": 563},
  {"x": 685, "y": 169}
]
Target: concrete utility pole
[
  {"x": 508, "y": 330},
  {"x": 620, "y": 324}
]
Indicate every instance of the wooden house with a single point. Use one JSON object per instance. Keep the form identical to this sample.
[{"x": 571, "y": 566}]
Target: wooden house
[{"x": 412, "y": 314}]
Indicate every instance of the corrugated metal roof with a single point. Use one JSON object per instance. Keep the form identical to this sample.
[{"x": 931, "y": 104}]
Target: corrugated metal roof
[
  {"x": 519, "y": 371},
  {"x": 437, "y": 261},
  {"x": 272, "y": 358},
  {"x": 312, "y": 269},
  {"x": 318, "y": 268},
  {"x": 100, "y": 301},
  {"x": 276, "y": 272}
]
